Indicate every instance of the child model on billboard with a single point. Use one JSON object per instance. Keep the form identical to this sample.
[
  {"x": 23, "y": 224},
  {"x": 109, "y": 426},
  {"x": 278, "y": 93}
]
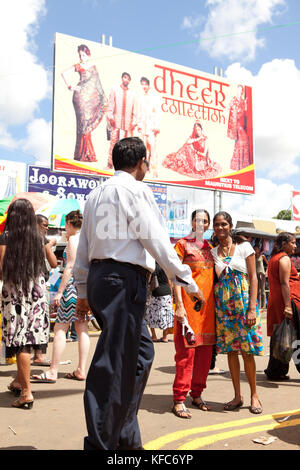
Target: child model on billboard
[
  {"x": 89, "y": 104},
  {"x": 192, "y": 159},
  {"x": 237, "y": 130},
  {"x": 121, "y": 113},
  {"x": 148, "y": 122}
]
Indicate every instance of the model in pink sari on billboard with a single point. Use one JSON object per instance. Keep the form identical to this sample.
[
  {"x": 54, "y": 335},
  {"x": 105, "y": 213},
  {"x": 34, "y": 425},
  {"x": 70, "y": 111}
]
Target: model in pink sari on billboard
[
  {"x": 89, "y": 104},
  {"x": 237, "y": 130},
  {"x": 192, "y": 159}
]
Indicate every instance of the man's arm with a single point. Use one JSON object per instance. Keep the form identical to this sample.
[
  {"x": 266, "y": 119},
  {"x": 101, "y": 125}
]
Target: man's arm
[{"x": 147, "y": 225}]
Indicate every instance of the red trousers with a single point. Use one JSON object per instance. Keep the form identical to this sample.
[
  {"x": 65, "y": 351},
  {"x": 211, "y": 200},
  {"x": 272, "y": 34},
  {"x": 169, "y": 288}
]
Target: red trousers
[{"x": 192, "y": 367}]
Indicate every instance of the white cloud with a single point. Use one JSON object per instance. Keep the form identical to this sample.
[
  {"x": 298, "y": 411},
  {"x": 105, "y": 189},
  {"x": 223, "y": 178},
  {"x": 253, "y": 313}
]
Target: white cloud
[
  {"x": 276, "y": 100},
  {"x": 38, "y": 142},
  {"x": 23, "y": 81},
  {"x": 269, "y": 199},
  {"x": 227, "y": 17}
]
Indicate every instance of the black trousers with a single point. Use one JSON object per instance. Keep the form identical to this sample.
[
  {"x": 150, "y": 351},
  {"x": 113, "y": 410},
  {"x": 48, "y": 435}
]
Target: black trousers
[{"x": 122, "y": 360}]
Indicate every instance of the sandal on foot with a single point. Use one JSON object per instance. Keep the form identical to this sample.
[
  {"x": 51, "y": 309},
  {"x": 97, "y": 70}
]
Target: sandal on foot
[
  {"x": 28, "y": 404},
  {"x": 180, "y": 413},
  {"x": 16, "y": 390},
  {"x": 256, "y": 410},
  {"x": 201, "y": 405},
  {"x": 73, "y": 376},
  {"x": 42, "y": 379},
  {"x": 233, "y": 406}
]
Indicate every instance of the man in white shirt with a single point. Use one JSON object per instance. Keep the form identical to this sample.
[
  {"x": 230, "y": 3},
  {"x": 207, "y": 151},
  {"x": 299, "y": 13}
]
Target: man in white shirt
[{"x": 122, "y": 234}]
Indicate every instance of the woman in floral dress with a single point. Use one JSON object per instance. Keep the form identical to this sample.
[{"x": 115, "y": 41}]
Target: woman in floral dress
[
  {"x": 237, "y": 315},
  {"x": 24, "y": 303}
]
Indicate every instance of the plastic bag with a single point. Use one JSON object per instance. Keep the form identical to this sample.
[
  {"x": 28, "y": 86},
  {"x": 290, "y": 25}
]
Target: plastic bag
[
  {"x": 188, "y": 333},
  {"x": 282, "y": 341}
]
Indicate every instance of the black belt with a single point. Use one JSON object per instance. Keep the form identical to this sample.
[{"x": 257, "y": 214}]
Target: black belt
[{"x": 136, "y": 267}]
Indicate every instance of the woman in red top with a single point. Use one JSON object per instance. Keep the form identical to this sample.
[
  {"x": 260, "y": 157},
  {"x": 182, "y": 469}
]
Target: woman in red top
[{"x": 284, "y": 285}]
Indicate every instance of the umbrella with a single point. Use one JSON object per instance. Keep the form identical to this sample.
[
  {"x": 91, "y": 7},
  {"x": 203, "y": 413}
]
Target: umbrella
[
  {"x": 37, "y": 200},
  {"x": 4, "y": 203},
  {"x": 56, "y": 211}
]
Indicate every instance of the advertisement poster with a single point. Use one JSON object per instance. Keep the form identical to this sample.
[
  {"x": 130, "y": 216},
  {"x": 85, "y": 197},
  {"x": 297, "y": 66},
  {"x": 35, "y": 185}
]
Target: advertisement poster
[
  {"x": 160, "y": 193},
  {"x": 197, "y": 127},
  {"x": 12, "y": 178},
  {"x": 63, "y": 185},
  {"x": 72, "y": 186},
  {"x": 296, "y": 205}
]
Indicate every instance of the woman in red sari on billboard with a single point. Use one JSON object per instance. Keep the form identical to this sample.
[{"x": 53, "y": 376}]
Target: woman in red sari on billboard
[
  {"x": 237, "y": 130},
  {"x": 192, "y": 159},
  {"x": 89, "y": 104}
]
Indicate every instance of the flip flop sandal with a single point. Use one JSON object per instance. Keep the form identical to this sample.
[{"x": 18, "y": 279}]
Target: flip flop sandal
[
  {"x": 17, "y": 391},
  {"x": 256, "y": 410},
  {"x": 233, "y": 406},
  {"x": 202, "y": 405},
  {"x": 42, "y": 379},
  {"x": 180, "y": 413},
  {"x": 73, "y": 376}
]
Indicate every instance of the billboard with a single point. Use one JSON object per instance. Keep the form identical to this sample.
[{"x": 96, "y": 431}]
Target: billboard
[
  {"x": 197, "y": 127},
  {"x": 63, "y": 185},
  {"x": 296, "y": 205},
  {"x": 12, "y": 178},
  {"x": 72, "y": 186}
]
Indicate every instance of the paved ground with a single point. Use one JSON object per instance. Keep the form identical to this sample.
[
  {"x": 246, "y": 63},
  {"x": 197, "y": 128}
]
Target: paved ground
[{"x": 57, "y": 422}]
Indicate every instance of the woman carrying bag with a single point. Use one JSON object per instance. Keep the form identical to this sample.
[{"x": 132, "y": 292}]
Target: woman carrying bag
[{"x": 284, "y": 285}]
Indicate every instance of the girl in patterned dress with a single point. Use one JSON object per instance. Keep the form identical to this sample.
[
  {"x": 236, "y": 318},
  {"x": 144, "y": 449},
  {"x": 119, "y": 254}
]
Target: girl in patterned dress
[
  {"x": 237, "y": 315},
  {"x": 66, "y": 299},
  {"x": 24, "y": 303}
]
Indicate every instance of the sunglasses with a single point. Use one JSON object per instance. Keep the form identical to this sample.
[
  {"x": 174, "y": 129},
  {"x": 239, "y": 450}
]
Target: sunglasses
[{"x": 147, "y": 163}]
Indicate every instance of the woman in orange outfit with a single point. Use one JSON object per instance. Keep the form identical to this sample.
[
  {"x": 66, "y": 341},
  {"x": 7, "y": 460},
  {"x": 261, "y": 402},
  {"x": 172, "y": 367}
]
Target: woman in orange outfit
[{"x": 193, "y": 360}]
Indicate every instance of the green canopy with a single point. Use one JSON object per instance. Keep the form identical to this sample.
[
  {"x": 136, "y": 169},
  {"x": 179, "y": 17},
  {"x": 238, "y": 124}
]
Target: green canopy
[{"x": 4, "y": 203}]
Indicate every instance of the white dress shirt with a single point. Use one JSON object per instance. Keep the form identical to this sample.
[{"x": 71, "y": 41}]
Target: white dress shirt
[{"x": 122, "y": 221}]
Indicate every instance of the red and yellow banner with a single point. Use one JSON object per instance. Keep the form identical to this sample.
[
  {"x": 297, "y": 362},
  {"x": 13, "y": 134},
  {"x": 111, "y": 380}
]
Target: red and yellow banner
[{"x": 197, "y": 127}]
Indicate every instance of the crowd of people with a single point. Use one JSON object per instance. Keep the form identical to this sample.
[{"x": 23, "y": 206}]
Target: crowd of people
[{"x": 203, "y": 291}]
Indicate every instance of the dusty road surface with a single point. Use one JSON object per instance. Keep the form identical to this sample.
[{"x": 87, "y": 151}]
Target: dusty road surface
[{"x": 57, "y": 421}]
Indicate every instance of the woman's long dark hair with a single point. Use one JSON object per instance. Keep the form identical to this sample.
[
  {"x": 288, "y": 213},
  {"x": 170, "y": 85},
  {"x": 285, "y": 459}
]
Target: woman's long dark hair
[
  {"x": 283, "y": 237},
  {"x": 24, "y": 256}
]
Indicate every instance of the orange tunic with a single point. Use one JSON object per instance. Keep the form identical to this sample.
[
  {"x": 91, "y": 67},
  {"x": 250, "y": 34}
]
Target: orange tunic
[
  {"x": 199, "y": 258},
  {"x": 275, "y": 302}
]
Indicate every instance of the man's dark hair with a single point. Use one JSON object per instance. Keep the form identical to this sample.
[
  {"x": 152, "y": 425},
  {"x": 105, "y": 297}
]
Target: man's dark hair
[
  {"x": 126, "y": 73},
  {"x": 128, "y": 152},
  {"x": 144, "y": 79}
]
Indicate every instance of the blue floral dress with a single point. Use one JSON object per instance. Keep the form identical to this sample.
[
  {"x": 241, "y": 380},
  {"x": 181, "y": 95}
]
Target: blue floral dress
[{"x": 232, "y": 294}]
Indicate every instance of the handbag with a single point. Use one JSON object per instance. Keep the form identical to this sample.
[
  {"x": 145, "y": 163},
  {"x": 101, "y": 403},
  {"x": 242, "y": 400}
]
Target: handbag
[
  {"x": 154, "y": 284},
  {"x": 282, "y": 341}
]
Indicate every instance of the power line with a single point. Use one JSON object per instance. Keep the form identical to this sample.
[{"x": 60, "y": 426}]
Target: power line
[{"x": 182, "y": 43}]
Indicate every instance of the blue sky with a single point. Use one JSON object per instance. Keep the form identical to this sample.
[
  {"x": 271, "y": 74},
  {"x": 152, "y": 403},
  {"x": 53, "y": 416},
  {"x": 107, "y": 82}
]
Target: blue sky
[{"x": 192, "y": 33}]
